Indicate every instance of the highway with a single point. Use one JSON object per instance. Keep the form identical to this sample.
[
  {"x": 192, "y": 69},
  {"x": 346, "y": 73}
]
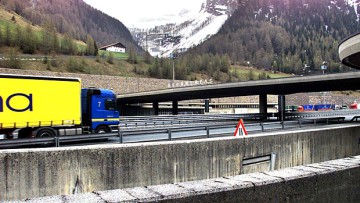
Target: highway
[{"x": 168, "y": 128}]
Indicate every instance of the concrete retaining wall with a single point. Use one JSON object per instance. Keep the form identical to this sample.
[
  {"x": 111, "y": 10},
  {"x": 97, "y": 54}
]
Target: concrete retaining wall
[
  {"x": 45, "y": 172},
  {"x": 332, "y": 181}
]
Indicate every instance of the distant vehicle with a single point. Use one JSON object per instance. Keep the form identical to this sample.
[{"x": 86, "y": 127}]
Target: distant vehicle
[
  {"x": 354, "y": 105},
  {"x": 316, "y": 107},
  {"x": 34, "y": 106},
  {"x": 291, "y": 108}
]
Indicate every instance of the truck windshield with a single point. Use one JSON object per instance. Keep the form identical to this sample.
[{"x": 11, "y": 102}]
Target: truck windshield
[{"x": 110, "y": 104}]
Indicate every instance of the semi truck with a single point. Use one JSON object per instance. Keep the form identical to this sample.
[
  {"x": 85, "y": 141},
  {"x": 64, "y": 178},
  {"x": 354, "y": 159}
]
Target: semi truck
[
  {"x": 316, "y": 107},
  {"x": 38, "y": 106}
]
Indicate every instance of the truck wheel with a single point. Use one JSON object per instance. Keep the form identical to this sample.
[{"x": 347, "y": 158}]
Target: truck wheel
[
  {"x": 45, "y": 132},
  {"x": 102, "y": 129}
]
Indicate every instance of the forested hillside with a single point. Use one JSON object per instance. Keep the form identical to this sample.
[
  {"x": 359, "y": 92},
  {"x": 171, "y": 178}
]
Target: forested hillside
[
  {"x": 292, "y": 36},
  {"x": 24, "y": 45},
  {"x": 73, "y": 18}
]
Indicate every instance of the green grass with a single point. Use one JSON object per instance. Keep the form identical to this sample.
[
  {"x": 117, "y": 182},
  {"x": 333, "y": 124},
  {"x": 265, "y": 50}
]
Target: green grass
[
  {"x": 6, "y": 21},
  {"x": 117, "y": 55},
  {"x": 242, "y": 73},
  {"x": 80, "y": 64}
]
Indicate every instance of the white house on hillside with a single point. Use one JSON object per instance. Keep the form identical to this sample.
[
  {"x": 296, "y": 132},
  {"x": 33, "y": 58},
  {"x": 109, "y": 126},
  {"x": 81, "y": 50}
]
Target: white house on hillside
[{"x": 117, "y": 47}]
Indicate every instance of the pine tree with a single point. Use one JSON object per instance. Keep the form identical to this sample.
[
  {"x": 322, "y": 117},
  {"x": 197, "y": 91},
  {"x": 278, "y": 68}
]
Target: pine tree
[
  {"x": 154, "y": 70},
  {"x": 132, "y": 58},
  {"x": 8, "y": 41},
  {"x": 251, "y": 74},
  {"x": 90, "y": 48},
  {"x": 56, "y": 44},
  {"x": 96, "y": 51},
  {"x": 68, "y": 46},
  {"x": 28, "y": 41},
  {"x": 147, "y": 58},
  {"x": 46, "y": 39},
  {"x": 110, "y": 58},
  {"x": 1, "y": 37}
]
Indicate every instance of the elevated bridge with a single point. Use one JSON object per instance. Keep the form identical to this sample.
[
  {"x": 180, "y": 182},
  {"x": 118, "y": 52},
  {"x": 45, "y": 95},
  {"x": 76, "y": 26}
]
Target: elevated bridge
[
  {"x": 349, "y": 51},
  {"x": 281, "y": 87}
]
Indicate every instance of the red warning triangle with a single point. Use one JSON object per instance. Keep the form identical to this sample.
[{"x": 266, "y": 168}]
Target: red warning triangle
[{"x": 240, "y": 129}]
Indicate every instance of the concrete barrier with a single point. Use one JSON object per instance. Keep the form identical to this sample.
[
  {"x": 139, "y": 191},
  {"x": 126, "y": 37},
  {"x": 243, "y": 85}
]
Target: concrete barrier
[
  {"x": 332, "y": 181},
  {"x": 29, "y": 173}
]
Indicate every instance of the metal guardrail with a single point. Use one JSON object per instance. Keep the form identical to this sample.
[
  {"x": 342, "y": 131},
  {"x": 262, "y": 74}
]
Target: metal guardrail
[
  {"x": 294, "y": 115},
  {"x": 147, "y": 121},
  {"x": 54, "y": 141},
  {"x": 203, "y": 131},
  {"x": 185, "y": 119},
  {"x": 326, "y": 119}
]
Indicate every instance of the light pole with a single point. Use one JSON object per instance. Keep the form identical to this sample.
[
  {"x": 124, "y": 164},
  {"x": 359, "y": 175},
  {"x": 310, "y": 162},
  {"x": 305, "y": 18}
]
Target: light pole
[
  {"x": 173, "y": 71},
  {"x": 173, "y": 56}
]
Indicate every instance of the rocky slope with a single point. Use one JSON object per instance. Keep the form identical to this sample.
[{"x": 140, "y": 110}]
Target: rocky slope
[{"x": 193, "y": 30}]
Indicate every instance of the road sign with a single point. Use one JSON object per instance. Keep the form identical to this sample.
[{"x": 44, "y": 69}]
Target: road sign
[{"x": 240, "y": 129}]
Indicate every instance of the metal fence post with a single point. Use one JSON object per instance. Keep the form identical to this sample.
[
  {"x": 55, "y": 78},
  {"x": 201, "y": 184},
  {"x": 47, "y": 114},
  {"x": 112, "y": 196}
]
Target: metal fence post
[
  {"x": 262, "y": 126},
  {"x": 207, "y": 131},
  {"x": 272, "y": 161},
  {"x": 57, "y": 142},
  {"x": 169, "y": 132},
  {"x": 121, "y": 138}
]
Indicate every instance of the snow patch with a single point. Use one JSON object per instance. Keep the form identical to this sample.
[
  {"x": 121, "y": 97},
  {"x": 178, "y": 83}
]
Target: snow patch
[{"x": 183, "y": 31}]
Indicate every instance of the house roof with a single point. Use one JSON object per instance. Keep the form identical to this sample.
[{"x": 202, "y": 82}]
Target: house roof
[{"x": 118, "y": 44}]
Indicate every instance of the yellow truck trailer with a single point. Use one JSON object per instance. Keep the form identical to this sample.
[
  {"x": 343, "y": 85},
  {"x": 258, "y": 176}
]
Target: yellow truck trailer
[{"x": 50, "y": 106}]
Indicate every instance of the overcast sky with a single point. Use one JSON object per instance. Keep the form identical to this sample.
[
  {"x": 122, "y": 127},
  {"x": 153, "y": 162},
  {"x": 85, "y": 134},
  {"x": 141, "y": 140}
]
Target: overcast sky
[{"x": 133, "y": 12}]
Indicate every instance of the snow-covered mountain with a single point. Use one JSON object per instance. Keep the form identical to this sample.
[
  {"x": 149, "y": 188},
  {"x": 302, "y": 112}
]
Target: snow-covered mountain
[
  {"x": 195, "y": 28},
  {"x": 355, "y": 4},
  {"x": 188, "y": 29}
]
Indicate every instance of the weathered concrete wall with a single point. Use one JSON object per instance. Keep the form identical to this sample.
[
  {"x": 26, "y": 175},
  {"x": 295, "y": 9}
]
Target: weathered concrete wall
[
  {"x": 331, "y": 181},
  {"x": 43, "y": 172}
]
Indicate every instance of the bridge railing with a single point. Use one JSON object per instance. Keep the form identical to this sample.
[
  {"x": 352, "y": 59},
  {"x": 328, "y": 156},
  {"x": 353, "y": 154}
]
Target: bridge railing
[
  {"x": 162, "y": 133},
  {"x": 294, "y": 115}
]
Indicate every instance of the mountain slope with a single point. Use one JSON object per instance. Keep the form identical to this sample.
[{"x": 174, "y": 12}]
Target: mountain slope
[
  {"x": 73, "y": 17},
  {"x": 287, "y": 35},
  {"x": 165, "y": 39}
]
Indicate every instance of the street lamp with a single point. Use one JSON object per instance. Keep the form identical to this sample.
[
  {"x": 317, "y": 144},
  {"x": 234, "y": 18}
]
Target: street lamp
[
  {"x": 173, "y": 56},
  {"x": 173, "y": 71}
]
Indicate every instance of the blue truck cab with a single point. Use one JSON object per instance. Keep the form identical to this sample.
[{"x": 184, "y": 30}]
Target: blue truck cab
[{"x": 99, "y": 110}]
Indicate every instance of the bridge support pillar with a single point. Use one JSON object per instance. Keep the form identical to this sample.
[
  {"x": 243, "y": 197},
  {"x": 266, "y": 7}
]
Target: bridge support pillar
[
  {"x": 281, "y": 103},
  {"x": 207, "y": 105},
  {"x": 263, "y": 103},
  {"x": 175, "y": 107},
  {"x": 156, "y": 108}
]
